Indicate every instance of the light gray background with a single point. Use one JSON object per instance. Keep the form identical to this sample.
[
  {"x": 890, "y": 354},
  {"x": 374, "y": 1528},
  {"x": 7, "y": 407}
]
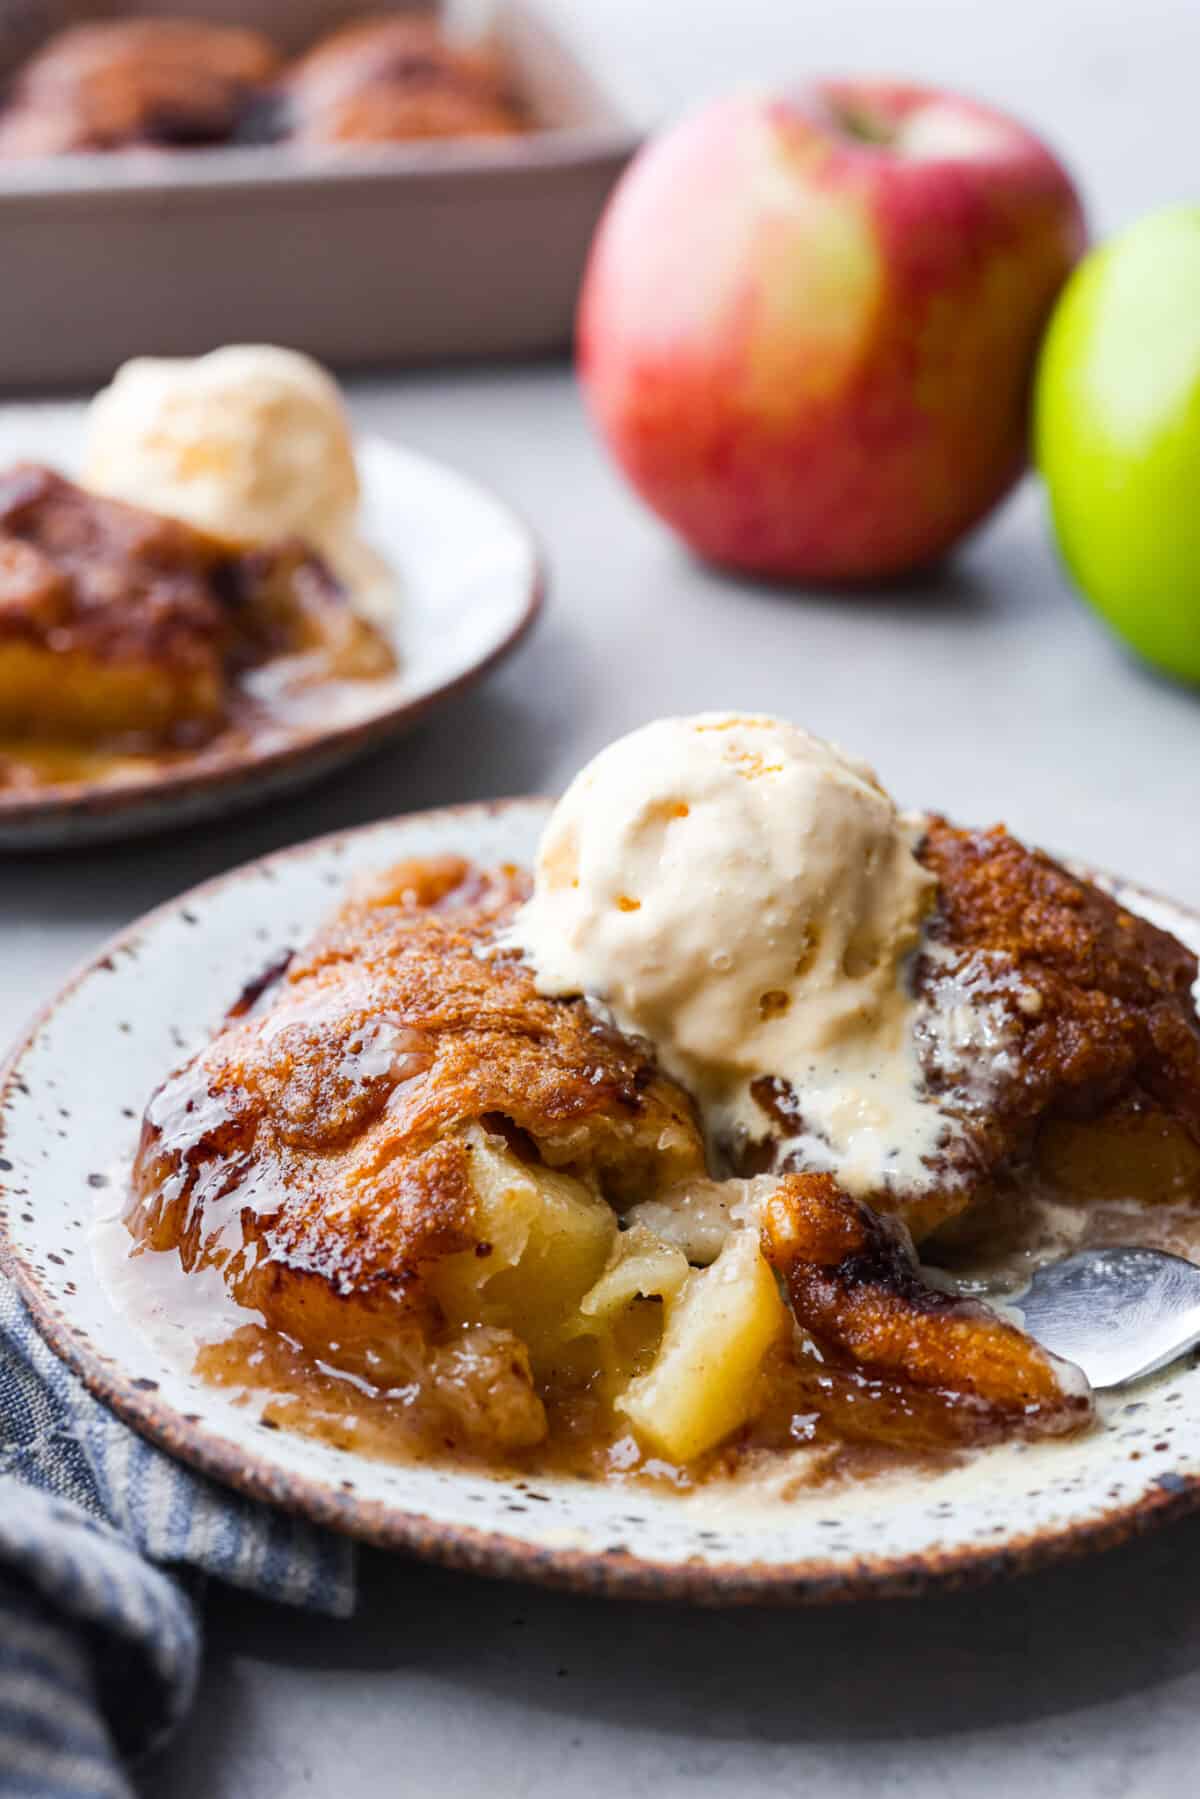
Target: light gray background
[{"x": 988, "y": 692}]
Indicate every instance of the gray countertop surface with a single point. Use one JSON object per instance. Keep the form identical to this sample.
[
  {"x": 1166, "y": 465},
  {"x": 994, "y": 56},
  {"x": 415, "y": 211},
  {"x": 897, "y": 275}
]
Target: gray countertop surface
[{"x": 987, "y": 692}]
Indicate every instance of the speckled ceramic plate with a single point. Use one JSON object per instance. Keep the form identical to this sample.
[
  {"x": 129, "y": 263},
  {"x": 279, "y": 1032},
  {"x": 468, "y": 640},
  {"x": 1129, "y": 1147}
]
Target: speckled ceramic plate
[
  {"x": 69, "y": 1108},
  {"x": 468, "y": 584}
]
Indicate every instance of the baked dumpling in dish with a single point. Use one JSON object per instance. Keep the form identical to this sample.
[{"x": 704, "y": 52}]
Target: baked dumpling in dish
[
  {"x": 124, "y": 82},
  {"x": 394, "y": 78}
]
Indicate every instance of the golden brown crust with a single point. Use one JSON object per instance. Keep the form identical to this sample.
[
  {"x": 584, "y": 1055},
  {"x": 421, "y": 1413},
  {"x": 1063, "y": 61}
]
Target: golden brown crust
[
  {"x": 856, "y": 1290},
  {"x": 122, "y": 582},
  {"x": 414, "y": 948},
  {"x": 116, "y": 622},
  {"x": 1081, "y": 1011},
  {"x": 135, "y": 81},
  {"x": 392, "y": 78},
  {"x": 1094, "y": 1004},
  {"x": 323, "y": 1130}
]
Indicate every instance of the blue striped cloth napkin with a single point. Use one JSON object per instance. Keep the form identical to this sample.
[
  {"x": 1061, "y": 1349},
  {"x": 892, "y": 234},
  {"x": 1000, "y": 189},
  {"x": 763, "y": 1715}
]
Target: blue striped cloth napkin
[{"x": 99, "y": 1642}]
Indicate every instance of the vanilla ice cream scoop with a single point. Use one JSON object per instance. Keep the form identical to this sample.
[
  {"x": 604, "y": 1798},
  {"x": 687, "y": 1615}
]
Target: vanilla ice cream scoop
[
  {"x": 747, "y": 896},
  {"x": 251, "y": 443}
]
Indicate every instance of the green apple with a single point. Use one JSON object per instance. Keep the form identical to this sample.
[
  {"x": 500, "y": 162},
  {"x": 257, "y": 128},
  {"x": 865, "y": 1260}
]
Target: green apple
[{"x": 1117, "y": 426}]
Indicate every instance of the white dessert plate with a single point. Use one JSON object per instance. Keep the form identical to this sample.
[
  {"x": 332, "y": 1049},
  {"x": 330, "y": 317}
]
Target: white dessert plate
[
  {"x": 468, "y": 585},
  {"x": 70, "y": 1101}
]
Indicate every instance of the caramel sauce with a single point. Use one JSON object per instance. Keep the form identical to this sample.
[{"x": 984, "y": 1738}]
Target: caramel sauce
[
  {"x": 406, "y": 1425},
  {"x": 272, "y": 709},
  {"x": 816, "y": 1425},
  {"x": 819, "y": 1425}
]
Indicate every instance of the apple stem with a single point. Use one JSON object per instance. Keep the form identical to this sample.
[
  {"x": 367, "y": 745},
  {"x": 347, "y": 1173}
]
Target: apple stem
[{"x": 858, "y": 122}]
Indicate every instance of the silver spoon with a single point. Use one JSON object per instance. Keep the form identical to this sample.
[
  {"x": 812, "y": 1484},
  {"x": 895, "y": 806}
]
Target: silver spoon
[{"x": 1115, "y": 1313}]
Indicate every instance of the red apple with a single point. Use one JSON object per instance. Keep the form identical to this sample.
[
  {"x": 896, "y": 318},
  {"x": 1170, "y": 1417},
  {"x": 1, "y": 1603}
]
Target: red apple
[{"x": 808, "y": 324}]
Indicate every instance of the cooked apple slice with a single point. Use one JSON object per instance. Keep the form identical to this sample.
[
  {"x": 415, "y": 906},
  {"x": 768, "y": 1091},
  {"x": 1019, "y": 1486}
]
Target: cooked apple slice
[{"x": 701, "y": 1384}]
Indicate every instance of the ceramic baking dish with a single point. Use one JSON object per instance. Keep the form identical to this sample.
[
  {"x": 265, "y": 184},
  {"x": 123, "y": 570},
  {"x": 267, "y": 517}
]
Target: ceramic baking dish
[{"x": 400, "y": 253}]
